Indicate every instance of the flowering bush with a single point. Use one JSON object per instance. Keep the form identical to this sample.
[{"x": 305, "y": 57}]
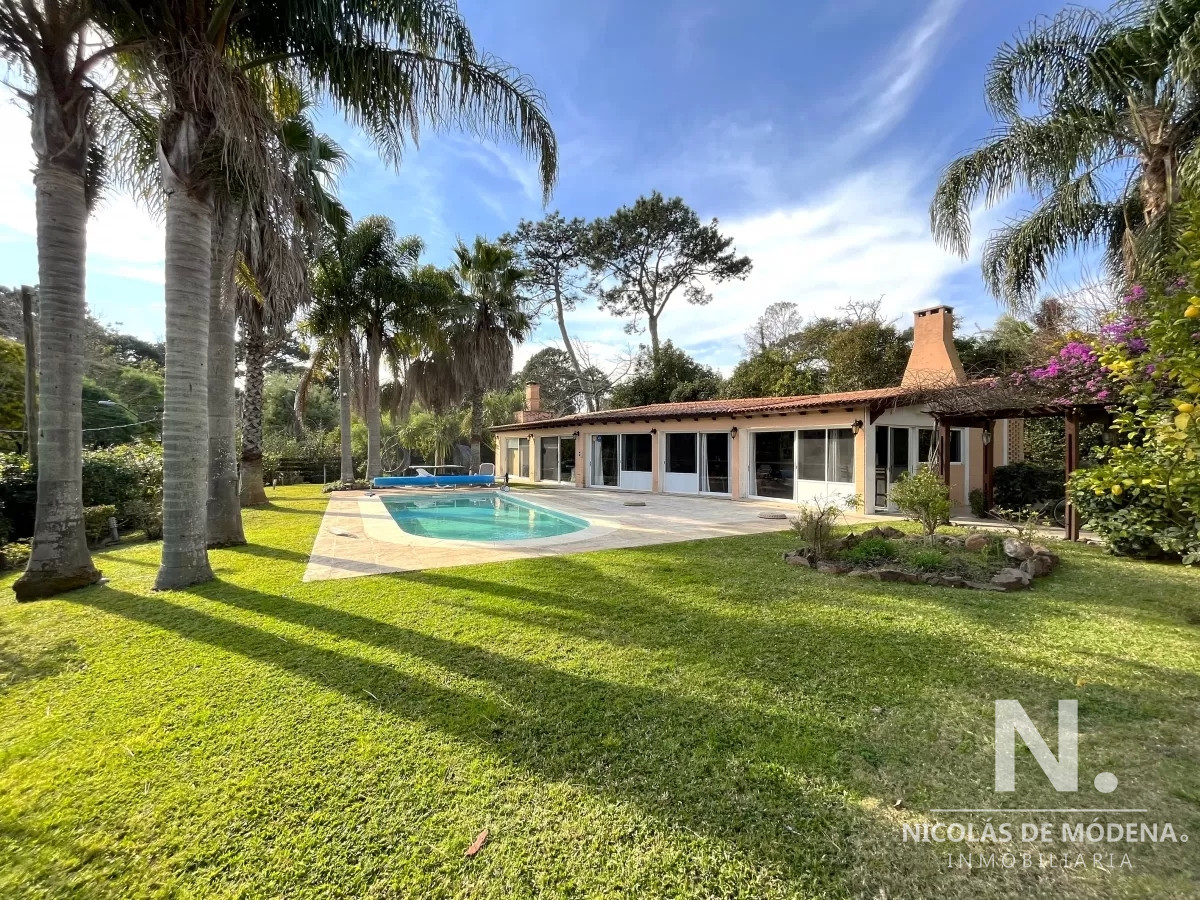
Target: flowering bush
[{"x": 1144, "y": 494}]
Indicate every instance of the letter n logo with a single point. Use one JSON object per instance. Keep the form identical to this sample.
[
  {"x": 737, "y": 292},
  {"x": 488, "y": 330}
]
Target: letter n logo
[{"x": 1062, "y": 771}]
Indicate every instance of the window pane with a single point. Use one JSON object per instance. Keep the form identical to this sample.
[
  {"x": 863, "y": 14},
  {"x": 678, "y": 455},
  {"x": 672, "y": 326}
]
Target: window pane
[
  {"x": 899, "y": 448},
  {"x": 841, "y": 455},
  {"x": 956, "y": 445},
  {"x": 566, "y": 459},
  {"x": 681, "y": 453},
  {"x": 881, "y": 446},
  {"x": 774, "y": 464},
  {"x": 715, "y": 474},
  {"x": 512, "y": 456},
  {"x": 637, "y": 455},
  {"x": 549, "y": 470},
  {"x": 812, "y": 455},
  {"x": 924, "y": 444},
  {"x": 524, "y": 450}
]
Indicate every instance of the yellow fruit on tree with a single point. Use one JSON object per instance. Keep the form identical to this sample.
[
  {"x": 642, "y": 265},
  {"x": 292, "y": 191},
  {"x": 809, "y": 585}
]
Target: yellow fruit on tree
[
  {"x": 1192, "y": 312},
  {"x": 1117, "y": 490},
  {"x": 1186, "y": 407}
]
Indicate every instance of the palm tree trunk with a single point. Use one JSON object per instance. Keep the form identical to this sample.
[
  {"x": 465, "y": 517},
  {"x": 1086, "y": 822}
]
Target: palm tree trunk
[
  {"x": 560, "y": 314},
  {"x": 344, "y": 409},
  {"x": 59, "y": 559},
  {"x": 253, "y": 493},
  {"x": 31, "y": 357},
  {"x": 185, "y": 423},
  {"x": 374, "y": 425},
  {"x": 476, "y": 429},
  {"x": 224, "y": 511}
]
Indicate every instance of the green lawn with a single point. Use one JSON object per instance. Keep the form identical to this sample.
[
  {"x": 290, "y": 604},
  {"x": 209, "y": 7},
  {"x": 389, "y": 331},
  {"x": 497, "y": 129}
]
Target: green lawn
[{"x": 685, "y": 720}]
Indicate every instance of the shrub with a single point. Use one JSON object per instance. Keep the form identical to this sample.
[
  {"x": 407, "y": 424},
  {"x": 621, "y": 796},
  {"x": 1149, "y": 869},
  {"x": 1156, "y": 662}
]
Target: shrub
[
  {"x": 870, "y": 550},
  {"x": 978, "y": 502},
  {"x": 146, "y": 515},
  {"x": 923, "y": 498},
  {"x": 95, "y": 521},
  {"x": 119, "y": 475},
  {"x": 1024, "y": 484},
  {"x": 814, "y": 523},
  {"x": 15, "y": 556},
  {"x": 18, "y": 494},
  {"x": 927, "y": 560}
]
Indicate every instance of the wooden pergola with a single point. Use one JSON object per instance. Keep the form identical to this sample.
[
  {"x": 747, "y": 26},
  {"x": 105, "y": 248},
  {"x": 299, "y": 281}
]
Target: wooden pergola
[{"x": 982, "y": 405}]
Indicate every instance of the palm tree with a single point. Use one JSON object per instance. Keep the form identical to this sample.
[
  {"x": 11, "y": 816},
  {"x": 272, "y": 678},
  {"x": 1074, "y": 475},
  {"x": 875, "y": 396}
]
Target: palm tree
[
  {"x": 273, "y": 253},
  {"x": 1098, "y": 113},
  {"x": 388, "y": 66},
  {"x": 492, "y": 318},
  {"x": 47, "y": 43},
  {"x": 332, "y": 317}
]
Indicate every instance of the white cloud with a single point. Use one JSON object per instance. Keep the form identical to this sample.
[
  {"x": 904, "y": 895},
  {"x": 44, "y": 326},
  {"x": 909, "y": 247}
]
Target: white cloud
[
  {"x": 867, "y": 237},
  {"x": 889, "y": 93}
]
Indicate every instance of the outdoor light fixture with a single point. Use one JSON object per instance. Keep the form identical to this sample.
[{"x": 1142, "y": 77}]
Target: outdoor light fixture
[
  {"x": 733, "y": 431},
  {"x": 987, "y": 436},
  {"x": 856, "y": 426},
  {"x": 654, "y": 431},
  {"x": 574, "y": 434}
]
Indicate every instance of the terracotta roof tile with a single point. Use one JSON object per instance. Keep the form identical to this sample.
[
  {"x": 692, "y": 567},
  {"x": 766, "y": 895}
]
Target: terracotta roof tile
[{"x": 745, "y": 406}]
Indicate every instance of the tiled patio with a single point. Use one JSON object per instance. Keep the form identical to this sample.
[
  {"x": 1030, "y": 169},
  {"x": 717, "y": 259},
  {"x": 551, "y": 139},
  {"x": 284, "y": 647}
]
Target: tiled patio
[{"x": 359, "y": 537}]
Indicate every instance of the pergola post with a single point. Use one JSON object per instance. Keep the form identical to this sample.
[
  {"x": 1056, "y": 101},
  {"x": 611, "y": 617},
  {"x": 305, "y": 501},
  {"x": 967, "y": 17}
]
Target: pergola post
[
  {"x": 1071, "y": 428},
  {"x": 944, "y": 454},
  {"x": 989, "y": 464}
]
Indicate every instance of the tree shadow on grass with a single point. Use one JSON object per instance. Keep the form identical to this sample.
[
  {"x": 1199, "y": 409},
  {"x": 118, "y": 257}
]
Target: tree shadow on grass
[
  {"x": 17, "y": 666},
  {"x": 777, "y": 786}
]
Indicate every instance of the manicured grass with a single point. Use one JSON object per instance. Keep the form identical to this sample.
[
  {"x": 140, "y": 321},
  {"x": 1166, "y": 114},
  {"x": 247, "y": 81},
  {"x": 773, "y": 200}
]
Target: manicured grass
[{"x": 684, "y": 720}]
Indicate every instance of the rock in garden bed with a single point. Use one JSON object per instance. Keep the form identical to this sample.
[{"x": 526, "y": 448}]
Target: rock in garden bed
[{"x": 979, "y": 561}]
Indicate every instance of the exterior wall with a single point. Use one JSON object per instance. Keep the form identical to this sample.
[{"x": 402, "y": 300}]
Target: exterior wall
[{"x": 964, "y": 476}]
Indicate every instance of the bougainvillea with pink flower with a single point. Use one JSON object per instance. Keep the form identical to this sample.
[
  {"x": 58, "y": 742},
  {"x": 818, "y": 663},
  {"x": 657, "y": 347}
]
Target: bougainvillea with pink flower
[{"x": 1142, "y": 491}]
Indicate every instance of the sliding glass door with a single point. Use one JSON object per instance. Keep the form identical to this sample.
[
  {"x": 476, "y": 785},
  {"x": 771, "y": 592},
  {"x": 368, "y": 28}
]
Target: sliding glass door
[
  {"x": 696, "y": 462},
  {"x": 804, "y": 464},
  {"x": 557, "y": 459},
  {"x": 605, "y": 469}
]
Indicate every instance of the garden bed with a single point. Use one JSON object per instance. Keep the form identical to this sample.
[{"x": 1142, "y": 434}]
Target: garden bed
[{"x": 989, "y": 562}]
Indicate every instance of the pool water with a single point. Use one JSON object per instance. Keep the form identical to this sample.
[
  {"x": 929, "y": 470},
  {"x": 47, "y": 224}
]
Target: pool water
[{"x": 489, "y": 516}]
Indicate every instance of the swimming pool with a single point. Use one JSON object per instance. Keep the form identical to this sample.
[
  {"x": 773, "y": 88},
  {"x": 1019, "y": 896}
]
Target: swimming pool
[{"x": 486, "y": 516}]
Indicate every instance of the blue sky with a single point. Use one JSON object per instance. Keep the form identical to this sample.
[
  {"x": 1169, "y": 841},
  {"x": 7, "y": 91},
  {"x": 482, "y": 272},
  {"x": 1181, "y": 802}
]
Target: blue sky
[{"x": 814, "y": 131}]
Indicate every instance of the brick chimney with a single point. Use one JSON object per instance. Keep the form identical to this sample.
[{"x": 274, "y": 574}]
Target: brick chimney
[
  {"x": 934, "y": 359},
  {"x": 533, "y": 411}
]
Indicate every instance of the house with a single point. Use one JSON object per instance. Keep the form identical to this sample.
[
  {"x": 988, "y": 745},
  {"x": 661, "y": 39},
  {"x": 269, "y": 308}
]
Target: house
[{"x": 769, "y": 448}]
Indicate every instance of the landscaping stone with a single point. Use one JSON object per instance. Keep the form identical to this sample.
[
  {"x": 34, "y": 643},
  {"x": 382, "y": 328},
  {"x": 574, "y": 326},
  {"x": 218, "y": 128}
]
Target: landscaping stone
[
  {"x": 895, "y": 576},
  {"x": 845, "y": 542},
  {"x": 1012, "y": 579},
  {"x": 976, "y": 543},
  {"x": 892, "y": 533},
  {"x": 1017, "y": 549},
  {"x": 1037, "y": 566},
  {"x": 799, "y": 558},
  {"x": 772, "y": 515},
  {"x": 1054, "y": 558},
  {"x": 829, "y": 567},
  {"x": 984, "y": 586},
  {"x": 873, "y": 532},
  {"x": 935, "y": 579}
]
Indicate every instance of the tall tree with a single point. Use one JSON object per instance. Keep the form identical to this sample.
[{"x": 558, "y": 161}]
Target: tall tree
[
  {"x": 667, "y": 376},
  {"x": 553, "y": 253},
  {"x": 481, "y": 342},
  {"x": 649, "y": 251},
  {"x": 1097, "y": 115},
  {"x": 422, "y": 67},
  {"x": 48, "y": 43},
  {"x": 778, "y": 322}
]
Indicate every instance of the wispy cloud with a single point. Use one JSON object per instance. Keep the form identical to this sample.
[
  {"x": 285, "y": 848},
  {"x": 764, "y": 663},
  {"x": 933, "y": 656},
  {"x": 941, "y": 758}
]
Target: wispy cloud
[{"x": 887, "y": 96}]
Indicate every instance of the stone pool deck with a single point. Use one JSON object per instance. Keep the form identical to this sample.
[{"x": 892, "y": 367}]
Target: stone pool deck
[{"x": 359, "y": 537}]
